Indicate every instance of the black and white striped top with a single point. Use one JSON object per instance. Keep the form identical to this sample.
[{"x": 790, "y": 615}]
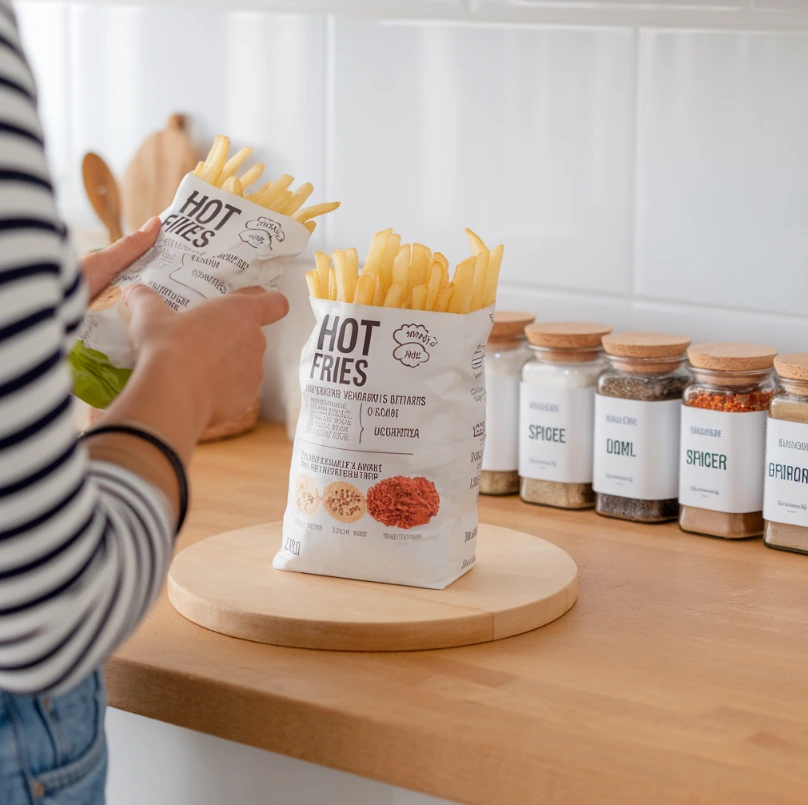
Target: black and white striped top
[{"x": 84, "y": 546}]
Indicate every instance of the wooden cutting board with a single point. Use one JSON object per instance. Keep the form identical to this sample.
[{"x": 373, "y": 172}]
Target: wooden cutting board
[
  {"x": 152, "y": 178},
  {"x": 227, "y": 584}
]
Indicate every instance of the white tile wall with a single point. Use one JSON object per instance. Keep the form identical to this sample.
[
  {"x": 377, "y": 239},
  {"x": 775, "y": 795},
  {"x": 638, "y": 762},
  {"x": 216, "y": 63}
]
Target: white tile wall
[{"x": 639, "y": 171}]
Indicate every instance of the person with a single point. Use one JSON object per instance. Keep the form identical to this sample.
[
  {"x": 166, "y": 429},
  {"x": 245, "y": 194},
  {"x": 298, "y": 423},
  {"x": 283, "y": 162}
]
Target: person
[{"x": 87, "y": 525}]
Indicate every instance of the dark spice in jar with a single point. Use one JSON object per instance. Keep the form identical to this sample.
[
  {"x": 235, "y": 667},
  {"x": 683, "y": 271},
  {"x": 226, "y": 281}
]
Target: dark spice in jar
[
  {"x": 402, "y": 502},
  {"x": 647, "y": 388}
]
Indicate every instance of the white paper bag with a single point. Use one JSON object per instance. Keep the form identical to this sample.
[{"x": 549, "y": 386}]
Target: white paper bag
[{"x": 388, "y": 450}]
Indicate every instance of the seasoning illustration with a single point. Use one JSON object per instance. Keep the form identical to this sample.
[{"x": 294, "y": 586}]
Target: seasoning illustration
[
  {"x": 414, "y": 342},
  {"x": 307, "y": 496},
  {"x": 402, "y": 502},
  {"x": 344, "y": 502}
]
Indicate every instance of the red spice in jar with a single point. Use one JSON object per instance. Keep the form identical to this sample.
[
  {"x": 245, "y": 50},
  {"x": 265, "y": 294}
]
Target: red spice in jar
[
  {"x": 732, "y": 402},
  {"x": 402, "y": 502}
]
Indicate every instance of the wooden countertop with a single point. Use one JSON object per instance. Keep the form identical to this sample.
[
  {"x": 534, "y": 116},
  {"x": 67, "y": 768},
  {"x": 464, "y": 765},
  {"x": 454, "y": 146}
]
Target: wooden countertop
[{"x": 680, "y": 676}]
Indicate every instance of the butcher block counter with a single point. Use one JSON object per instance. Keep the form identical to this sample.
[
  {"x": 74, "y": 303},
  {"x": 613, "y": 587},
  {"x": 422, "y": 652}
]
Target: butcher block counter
[{"x": 679, "y": 676}]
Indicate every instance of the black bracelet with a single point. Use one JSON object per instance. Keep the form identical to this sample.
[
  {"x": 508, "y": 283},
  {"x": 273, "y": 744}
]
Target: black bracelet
[{"x": 166, "y": 450}]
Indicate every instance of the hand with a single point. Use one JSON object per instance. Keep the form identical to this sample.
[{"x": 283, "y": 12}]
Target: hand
[
  {"x": 216, "y": 347},
  {"x": 100, "y": 267}
]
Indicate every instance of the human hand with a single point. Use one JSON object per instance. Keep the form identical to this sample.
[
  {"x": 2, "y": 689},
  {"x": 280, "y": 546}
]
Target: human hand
[
  {"x": 217, "y": 347},
  {"x": 100, "y": 267}
]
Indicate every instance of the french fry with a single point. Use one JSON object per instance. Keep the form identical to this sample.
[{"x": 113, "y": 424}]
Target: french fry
[
  {"x": 475, "y": 243},
  {"x": 420, "y": 262},
  {"x": 323, "y": 263},
  {"x": 463, "y": 280},
  {"x": 279, "y": 202},
  {"x": 395, "y": 296},
  {"x": 391, "y": 249},
  {"x": 419, "y": 293},
  {"x": 444, "y": 298},
  {"x": 259, "y": 195},
  {"x": 353, "y": 260},
  {"x": 313, "y": 281},
  {"x": 373, "y": 261},
  {"x": 252, "y": 175},
  {"x": 308, "y": 213},
  {"x": 442, "y": 260},
  {"x": 407, "y": 302},
  {"x": 378, "y": 297},
  {"x": 332, "y": 284},
  {"x": 269, "y": 194},
  {"x": 492, "y": 279},
  {"x": 200, "y": 166},
  {"x": 346, "y": 278},
  {"x": 478, "y": 284},
  {"x": 234, "y": 163},
  {"x": 217, "y": 156},
  {"x": 298, "y": 198},
  {"x": 311, "y": 226},
  {"x": 401, "y": 267},
  {"x": 365, "y": 289},
  {"x": 234, "y": 186},
  {"x": 434, "y": 286}
]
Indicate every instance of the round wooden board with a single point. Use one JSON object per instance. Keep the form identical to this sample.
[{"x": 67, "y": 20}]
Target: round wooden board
[{"x": 227, "y": 583}]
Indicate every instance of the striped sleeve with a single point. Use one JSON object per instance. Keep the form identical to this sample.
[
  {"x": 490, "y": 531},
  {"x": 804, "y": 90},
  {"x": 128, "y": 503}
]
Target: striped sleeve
[{"x": 84, "y": 546}]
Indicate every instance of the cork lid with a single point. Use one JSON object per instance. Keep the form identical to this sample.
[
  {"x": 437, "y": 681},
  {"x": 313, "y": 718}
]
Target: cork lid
[
  {"x": 645, "y": 345},
  {"x": 509, "y": 325},
  {"x": 793, "y": 366},
  {"x": 731, "y": 357},
  {"x": 566, "y": 334}
]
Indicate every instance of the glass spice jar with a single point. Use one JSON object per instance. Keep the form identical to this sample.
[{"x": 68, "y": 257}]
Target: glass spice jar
[
  {"x": 785, "y": 497},
  {"x": 637, "y": 416},
  {"x": 724, "y": 438},
  {"x": 505, "y": 354},
  {"x": 556, "y": 410}
]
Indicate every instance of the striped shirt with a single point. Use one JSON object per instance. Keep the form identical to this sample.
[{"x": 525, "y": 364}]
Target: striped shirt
[{"x": 84, "y": 546}]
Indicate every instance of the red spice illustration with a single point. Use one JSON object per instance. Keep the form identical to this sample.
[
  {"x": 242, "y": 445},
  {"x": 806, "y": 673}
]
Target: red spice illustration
[{"x": 402, "y": 502}]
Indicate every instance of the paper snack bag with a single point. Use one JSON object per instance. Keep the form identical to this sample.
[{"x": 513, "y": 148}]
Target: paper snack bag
[
  {"x": 388, "y": 449},
  {"x": 211, "y": 242}
]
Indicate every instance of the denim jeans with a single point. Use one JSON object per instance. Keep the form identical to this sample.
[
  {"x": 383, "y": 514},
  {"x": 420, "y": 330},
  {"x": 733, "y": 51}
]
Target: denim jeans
[{"x": 53, "y": 751}]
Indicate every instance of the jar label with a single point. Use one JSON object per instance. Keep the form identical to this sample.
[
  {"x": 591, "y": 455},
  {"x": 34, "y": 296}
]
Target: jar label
[
  {"x": 637, "y": 448},
  {"x": 555, "y": 433},
  {"x": 721, "y": 460},
  {"x": 785, "y": 499},
  {"x": 501, "y": 452}
]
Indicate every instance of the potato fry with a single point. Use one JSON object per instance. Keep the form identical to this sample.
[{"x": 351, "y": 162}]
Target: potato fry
[
  {"x": 478, "y": 284},
  {"x": 234, "y": 163},
  {"x": 270, "y": 193},
  {"x": 313, "y": 281},
  {"x": 373, "y": 261},
  {"x": 365, "y": 289},
  {"x": 200, "y": 166},
  {"x": 420, "y": 262},
  {"x": 317, "y": 209},
  {"x": 463, "y": 280},
  {"x": 442, "y": 260},
  {"x": 297, "y": 199},
  {"x": 395, "y": 296},
  {"x": 434, "y": 286},
  {"x": 311, "y": 226},
  {"x": 475, "y": 243},
  {"x": 444, "y": 298},
  {"x": 492, "y": 279},
  {"x": 391, "y": 249},
  {"x": 258, "y": 195},
  {"x": 217, "y": 156},
  {"x": 353, "y": 259},
  {"x": 234, "y": 186},
  {"x": 332, "y": 284},
  {"x": 323, "y": 263},
  {"x": 346, "y": 277},
  {"x": 252, "y": 175},
  {"x": 401, "y": 267},
  {"x": 419, "y": 293},
  {"x": 378, "y": 297},
  {"x": 280, "y": 202}
]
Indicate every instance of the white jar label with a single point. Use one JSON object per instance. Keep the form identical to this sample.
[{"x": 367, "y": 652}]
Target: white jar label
[
  {"x": 785, "y": 499},
  {"x": 721, "y": 460},
  {"x": 501, "y": 453},
  {"x": 637, "y": 448},
  {"x": 555, "y": 433}
]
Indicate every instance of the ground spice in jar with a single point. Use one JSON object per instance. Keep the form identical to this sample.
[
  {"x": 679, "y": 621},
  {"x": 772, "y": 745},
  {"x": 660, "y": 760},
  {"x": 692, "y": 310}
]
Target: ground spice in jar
[
  {"x": 504, "y": 357},
  {"x": 723, "y": 439},
  {"x": 402, "y": 502},
  {"x": 637, "y": 427},
  {"x": 556, "y": 410}
]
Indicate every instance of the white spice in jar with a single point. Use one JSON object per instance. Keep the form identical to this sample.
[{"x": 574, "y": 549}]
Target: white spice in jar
[
  {"x": 556, "y": 411},
  {"x": 505, "y": 354}
]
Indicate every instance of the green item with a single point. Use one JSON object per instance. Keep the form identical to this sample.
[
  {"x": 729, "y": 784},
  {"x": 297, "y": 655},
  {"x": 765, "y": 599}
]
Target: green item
[{"x": 95, "y": 379}]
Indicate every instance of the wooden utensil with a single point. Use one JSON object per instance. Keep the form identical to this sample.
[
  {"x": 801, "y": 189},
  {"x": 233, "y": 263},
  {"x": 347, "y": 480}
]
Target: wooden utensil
[
  {"x": 152, "y": 178},
  {"x": 102, "y": 190}
]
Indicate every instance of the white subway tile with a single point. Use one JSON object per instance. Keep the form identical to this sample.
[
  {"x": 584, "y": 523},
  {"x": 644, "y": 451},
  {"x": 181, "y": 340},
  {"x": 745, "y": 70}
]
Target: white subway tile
[
  {"x": 722, "y": 170},
  {"x": 522, "y": 133},
  {"x": 550, "y": 305}
]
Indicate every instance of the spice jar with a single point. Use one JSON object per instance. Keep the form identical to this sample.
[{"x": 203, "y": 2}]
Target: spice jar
[
  {"x": 505, "y": 353},
  {"x": 785, "y": 497},
  {"x": 637, "y": 415},
  {"x": 556, "y": 410},
  {"x": 724, "y": 438}
]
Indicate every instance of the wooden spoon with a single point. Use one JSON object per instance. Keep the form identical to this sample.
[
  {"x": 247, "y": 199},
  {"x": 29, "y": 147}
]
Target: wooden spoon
[{"x": 102, "y": 190}]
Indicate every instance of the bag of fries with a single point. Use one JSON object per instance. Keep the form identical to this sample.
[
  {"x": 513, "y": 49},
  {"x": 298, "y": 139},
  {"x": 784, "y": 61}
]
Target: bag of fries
[
  {"x": 388, "y": 450},
  {"x": 214, "y": 239}
]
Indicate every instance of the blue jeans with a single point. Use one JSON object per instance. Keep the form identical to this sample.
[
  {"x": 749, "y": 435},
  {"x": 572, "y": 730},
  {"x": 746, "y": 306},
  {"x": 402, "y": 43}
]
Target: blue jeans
[{"x": 53, "y": 751}]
